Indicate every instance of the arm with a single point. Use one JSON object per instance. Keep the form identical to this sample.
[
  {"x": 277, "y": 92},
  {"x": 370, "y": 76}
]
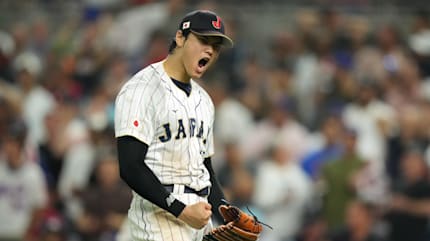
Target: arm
[
  {"x": 216, "y": 194},
  {"x": 411, "y": 206},
  {"x": 134, "y": 171},
  {"x": 140, "y": 178},
  {"x": 420, "y": 208}
]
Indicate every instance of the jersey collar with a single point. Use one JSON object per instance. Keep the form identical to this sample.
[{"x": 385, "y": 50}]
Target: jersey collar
[{"x": 178, "y": 93}]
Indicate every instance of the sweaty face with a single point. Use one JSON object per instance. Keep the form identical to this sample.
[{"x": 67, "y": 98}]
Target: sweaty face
[{"x": 200, "y": 52}]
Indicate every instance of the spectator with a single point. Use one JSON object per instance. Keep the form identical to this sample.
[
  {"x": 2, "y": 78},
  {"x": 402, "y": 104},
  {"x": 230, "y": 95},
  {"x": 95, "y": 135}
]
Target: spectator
[
  {"x": 280, "y": 120},
  {"x": 105, "y": 204},
  {"x": 330, "y": 147},
  {"x": 360, "y": 224},
  {"x": 147, "y": 18},
  {"x": 339, "y": 177},
  {"x": 71, "y": 142},
  {"x": 314, "y": 229},
  {"x": 405, "y": 222},
  {"x": 23, "y": 192},
  {"x": 242, "y": 187},
  {"x": 37, "y": 100},
  {"x": 373, "y": 119},
  {"x": 282, "y": 192},
  {"x": 234, "y": 121},
  {"x": 419, "y": 41},
  {"x": 233, "y": 163},
  {"x": 409, "y": 135},
  {"x": 156, "y": 49},
  {"x": 7, "y": 48}
]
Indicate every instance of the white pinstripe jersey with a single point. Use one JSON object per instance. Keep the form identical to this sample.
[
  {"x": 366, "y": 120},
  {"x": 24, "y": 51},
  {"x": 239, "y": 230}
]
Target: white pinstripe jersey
[{"x": 176, "y": 127}]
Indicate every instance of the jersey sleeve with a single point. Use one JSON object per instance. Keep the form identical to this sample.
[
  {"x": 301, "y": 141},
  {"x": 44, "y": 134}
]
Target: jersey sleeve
[{"x": 134, "y": 112}]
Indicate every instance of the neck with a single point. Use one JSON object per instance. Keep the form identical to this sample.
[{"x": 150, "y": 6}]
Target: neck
[{"x": 175, "y": 68}]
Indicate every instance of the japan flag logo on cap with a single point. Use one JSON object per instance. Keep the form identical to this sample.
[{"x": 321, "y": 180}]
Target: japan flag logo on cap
[{"x": 186, "y": 25}]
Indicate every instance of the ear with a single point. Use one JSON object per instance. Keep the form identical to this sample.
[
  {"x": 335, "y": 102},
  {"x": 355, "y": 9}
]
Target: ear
[{"x": 179, "y": 38}]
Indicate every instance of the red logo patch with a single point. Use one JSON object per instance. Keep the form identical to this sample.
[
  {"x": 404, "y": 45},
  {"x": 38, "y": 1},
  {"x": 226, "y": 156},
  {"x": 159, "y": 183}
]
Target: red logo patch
[
  {"x": 217, "y": 23},
  {"x": 136, "y": 123}
]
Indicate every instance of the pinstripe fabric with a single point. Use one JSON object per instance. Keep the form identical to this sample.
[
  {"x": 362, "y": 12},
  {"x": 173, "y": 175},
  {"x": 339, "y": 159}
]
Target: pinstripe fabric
[
  {"x": 178, "y": 131},
  {"x": 160, "y": 225}
]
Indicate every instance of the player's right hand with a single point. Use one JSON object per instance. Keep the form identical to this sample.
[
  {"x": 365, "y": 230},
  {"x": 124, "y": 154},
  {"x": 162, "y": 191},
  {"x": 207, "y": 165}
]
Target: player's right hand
[{"x": 196, "y": 215}]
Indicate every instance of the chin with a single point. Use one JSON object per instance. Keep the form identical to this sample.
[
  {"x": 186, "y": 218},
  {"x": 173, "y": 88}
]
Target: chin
[{"x": 196, "y": 75}]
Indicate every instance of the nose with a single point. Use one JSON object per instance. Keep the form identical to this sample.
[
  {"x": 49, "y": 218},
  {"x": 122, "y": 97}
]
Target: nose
[{"x": 210, "y": 50}]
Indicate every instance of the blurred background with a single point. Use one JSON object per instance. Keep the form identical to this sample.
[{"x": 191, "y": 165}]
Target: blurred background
[{"x": 322, "y": 114}]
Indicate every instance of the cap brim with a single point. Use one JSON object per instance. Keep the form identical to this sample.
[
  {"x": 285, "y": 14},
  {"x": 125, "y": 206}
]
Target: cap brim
[{"x": 227, "y": 42}]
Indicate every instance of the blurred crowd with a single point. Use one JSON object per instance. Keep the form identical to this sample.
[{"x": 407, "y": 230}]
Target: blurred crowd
[{"x": 323, "y": 133}]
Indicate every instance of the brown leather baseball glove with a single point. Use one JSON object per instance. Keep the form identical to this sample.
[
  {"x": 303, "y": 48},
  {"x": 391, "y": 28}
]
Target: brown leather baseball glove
[{"x": 240, "y": 226}]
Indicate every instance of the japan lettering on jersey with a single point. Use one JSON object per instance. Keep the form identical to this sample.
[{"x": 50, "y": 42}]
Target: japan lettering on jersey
[{"x": 176, "y": 127}]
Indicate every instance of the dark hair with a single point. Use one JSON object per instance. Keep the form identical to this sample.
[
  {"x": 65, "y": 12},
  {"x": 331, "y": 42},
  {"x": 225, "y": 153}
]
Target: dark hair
[
  {"x": 17, "y": 131},
  {"x": 172, "y": 45}
]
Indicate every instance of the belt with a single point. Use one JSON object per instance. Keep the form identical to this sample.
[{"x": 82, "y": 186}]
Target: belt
[{"x": 202, "y": 193}]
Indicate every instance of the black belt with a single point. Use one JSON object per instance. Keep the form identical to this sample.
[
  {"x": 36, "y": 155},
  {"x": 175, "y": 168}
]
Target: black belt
[{"x": 202, "y": 193}]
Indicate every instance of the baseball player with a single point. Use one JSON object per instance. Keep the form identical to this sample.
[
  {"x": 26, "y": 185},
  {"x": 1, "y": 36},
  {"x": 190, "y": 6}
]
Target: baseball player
[{"x": 164, "y": 129}]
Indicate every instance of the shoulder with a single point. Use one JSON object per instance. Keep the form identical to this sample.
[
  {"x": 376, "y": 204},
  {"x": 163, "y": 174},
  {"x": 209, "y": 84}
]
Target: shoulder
[
  {"x": 145, "y": 78},
  {"x": 145, "y": 83}
]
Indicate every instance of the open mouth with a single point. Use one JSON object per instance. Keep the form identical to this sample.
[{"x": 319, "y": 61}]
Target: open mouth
[{"x": 203, "y": 62}]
